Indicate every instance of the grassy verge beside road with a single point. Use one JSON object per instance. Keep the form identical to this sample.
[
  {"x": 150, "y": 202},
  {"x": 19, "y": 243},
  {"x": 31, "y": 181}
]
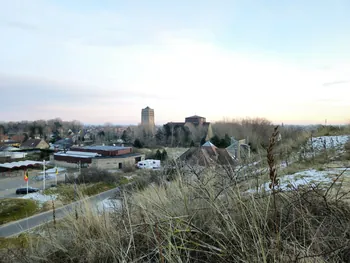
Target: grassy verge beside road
[
  {"x": 12, "y": 209},
  {"x": 67, "y": 193}
]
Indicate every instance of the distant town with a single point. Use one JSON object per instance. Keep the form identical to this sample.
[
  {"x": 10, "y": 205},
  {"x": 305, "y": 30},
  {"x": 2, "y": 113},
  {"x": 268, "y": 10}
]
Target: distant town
[
  {"x": 67, "y": 143},
  {"x": 51, "y": 169}
]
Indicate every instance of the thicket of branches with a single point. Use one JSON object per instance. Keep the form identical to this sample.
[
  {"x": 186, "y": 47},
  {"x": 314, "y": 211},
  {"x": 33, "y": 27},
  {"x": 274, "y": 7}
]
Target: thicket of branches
[{"x": 255, "y": 130}]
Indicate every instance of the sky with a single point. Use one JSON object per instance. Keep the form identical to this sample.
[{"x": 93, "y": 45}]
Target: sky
[{"x": 103, "y": 61}]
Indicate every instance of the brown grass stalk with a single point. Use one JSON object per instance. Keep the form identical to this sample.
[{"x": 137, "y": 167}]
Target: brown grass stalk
[{"x": 274, "y": 181}]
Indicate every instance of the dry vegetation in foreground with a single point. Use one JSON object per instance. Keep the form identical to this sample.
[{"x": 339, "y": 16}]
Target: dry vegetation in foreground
[
  {"x": 189, "y": 222},
  {"x": 203, "y": 218}
]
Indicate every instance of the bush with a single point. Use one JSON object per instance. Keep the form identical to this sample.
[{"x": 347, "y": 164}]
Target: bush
[
  {"x": 138, "y": 143},
  {"x": 93, "y": 175},
  {"x": 161, "y": 155},
  {"x": 129, "y": 168}
]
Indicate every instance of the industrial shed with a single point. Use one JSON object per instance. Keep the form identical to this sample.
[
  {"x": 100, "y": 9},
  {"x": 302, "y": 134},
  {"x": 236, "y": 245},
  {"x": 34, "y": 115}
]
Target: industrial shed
[
  {"x": 72, "y": 158},
  {"x": 18, "y": 167},
  {"x": 105, "y": 150},
  {"x": 104, "y": 158}
]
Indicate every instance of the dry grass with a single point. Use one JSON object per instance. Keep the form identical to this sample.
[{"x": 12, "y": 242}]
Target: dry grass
[{"x": 198, "y": 220}]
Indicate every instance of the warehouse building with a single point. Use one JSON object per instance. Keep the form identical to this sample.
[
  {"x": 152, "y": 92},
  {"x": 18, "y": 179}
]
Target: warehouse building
[
  {"x": 101, "y": 157},
  {"x": 104, "y": 150}
]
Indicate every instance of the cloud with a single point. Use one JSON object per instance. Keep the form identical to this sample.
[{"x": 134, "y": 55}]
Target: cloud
[
  {"x": 63, "y": 92},
  {"x": 120, "y": 25},
  {"x": 20, "y": 25},
  {"x": 181, "y": 78},
  {"x": 335, "y": 83},
  {"x": 97, "y": 64}
]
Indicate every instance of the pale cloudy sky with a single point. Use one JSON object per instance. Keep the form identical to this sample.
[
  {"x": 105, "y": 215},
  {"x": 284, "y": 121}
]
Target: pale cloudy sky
[{"x": 103, "y": 61}]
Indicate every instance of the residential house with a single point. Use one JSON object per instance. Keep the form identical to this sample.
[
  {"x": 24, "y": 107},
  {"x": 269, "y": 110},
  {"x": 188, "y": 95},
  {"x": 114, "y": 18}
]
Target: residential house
[
  {"x": 63, "y": 144},
  {"x": 19, "y": 138},
  {"x": 207, "y": 155},
  {"x": 4, "y": 138},
  {"x": 34, "y": 144}
]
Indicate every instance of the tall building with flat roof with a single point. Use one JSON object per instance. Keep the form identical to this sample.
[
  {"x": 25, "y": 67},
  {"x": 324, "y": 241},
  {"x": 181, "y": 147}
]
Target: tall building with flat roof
[{"x": 147, "y": 119}]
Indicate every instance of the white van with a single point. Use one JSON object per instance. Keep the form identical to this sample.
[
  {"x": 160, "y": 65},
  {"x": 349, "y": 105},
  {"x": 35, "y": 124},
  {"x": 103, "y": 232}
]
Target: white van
[{"x": 148, "y": 164}]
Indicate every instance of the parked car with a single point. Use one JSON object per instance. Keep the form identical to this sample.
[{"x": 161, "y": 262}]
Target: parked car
[{"x": 24, "y": 190}]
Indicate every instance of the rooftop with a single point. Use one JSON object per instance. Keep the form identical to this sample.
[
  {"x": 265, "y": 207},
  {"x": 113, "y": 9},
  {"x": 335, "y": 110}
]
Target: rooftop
[
  {"x": 195, "y": 116},
  {"x": 8, "y": 148},
  {"x": 93, "y": 155},
  {"x": 122, "y": 155},
  {"x": 31, "y": 143},
  {"x": 78, "y": 154},
  {"x": 208, "y": 144},
  {"x": 103, "y": 148},
  {"x": 20, "y": 164}
]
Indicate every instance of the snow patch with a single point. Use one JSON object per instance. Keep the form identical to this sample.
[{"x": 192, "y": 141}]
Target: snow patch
[
  {"x": 309, "y": 177},
  {"x": 41, "y": 198},
  {"x": 108, "y": 205},
  {"x": 318, "y": 143}
]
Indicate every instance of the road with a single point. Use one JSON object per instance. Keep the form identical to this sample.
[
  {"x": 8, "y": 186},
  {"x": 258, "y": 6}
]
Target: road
[
  {"x": 8, "y": 185},
  {"x": 17, "y": 227}
]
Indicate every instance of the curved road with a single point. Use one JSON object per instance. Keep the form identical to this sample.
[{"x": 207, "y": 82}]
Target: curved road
[{"x": 17, "y": 227}]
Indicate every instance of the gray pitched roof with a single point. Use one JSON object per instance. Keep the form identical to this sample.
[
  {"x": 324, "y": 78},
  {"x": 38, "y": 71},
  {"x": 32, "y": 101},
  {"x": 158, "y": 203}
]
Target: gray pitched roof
[{"x": 31, "y": 143}]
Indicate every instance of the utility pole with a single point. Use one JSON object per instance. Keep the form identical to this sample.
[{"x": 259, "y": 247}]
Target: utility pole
[
  {"x": 172, "y": 134},
  {"x": 56, "y": 173},
  {"x": 75, "y": 183},
  {"x": 79, "y": 168},
  {"x": 44, "y": 176}
]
